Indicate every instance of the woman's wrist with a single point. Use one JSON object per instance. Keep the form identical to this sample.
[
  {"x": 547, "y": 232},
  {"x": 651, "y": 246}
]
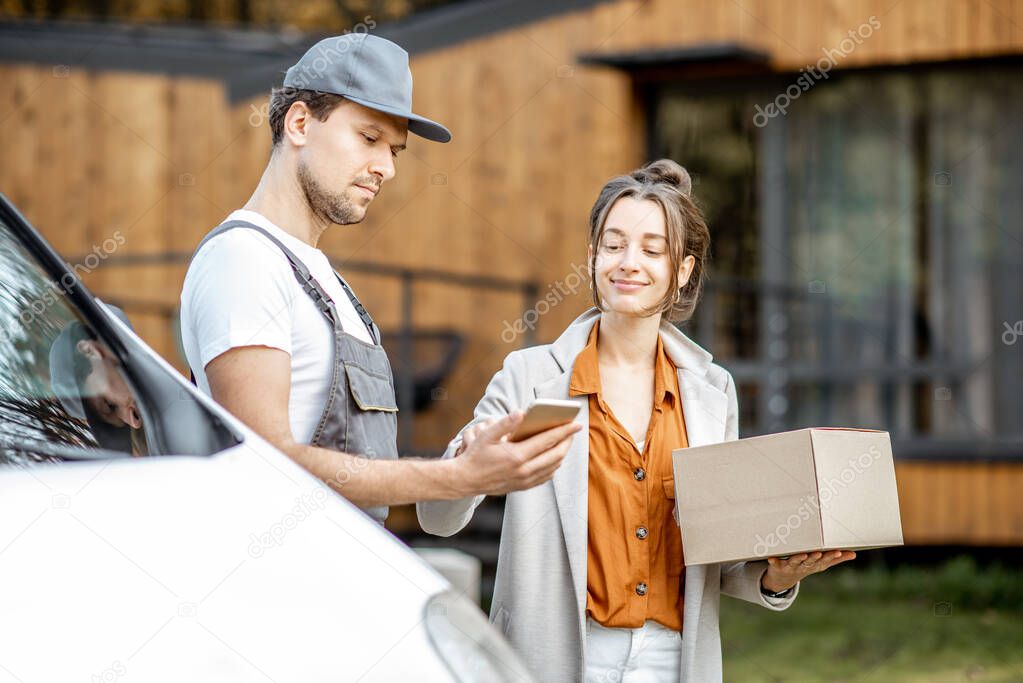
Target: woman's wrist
[{"x": 770, "y": 584}]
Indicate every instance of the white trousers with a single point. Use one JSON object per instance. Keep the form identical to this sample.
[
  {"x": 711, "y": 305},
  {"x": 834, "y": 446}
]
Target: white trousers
[{"x": 650, "y": 654}]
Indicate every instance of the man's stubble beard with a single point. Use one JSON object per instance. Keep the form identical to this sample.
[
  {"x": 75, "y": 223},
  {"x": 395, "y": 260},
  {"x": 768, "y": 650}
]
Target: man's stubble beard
[{"x": 335, "y": 207}]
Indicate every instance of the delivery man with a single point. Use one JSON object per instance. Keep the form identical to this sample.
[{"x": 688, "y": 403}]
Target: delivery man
[{"x": 278, "y": 338}]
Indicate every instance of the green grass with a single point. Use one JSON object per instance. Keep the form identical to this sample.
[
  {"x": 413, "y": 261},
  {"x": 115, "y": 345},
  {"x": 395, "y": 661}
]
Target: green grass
[{"x": 952, "y": 623}]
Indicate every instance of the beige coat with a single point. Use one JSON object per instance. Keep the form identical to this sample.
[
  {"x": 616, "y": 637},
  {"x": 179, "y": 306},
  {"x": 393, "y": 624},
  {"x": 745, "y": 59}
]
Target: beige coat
[{"x": 540, "y": 594}]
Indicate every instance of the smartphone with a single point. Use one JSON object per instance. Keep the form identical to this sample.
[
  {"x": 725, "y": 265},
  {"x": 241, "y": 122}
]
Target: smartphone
[{"x": 544, "y": 414}]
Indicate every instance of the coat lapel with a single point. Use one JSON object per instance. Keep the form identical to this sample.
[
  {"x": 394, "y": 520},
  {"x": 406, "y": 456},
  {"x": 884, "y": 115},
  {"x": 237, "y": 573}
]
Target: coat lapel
[
  {"x": 704, "y": 408},
  {"x": 571, "y": 481},
  {"x": 571, "y": 485}
]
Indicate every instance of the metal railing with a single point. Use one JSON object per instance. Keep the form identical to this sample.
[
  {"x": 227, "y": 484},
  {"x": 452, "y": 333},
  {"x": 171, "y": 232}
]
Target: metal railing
[
  {"x": 776, "y": 339},
  {"x": 408, "y": 278}
]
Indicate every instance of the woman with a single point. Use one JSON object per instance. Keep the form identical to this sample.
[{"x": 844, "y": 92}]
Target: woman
[{"x": 591, "y": 583}]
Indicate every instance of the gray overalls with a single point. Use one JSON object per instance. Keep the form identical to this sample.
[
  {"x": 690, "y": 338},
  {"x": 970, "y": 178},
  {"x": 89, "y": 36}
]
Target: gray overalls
[{"x": 360, "y": 416}]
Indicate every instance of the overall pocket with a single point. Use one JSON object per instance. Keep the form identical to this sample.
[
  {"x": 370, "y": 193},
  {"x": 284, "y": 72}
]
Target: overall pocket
[{"x": 370, "y": 390}]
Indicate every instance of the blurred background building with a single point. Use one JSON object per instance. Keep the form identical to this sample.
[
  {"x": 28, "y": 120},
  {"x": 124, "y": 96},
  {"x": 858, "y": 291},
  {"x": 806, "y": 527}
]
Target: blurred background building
[{"x": 860, "y": 163}]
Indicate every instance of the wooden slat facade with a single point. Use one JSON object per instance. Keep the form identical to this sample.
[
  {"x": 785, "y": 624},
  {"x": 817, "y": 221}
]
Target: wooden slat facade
[{"x": 162, "y": 159}]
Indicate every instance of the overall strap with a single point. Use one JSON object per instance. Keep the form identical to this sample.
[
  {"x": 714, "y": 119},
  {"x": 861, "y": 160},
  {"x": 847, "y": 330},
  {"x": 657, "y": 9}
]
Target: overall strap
[
  {"x": 305, "y": 279},
  {"x": 374, "y": 331}
]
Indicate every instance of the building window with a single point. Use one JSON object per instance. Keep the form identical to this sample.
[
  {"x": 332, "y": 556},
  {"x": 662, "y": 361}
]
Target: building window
[{"x": 867, "y": 249}]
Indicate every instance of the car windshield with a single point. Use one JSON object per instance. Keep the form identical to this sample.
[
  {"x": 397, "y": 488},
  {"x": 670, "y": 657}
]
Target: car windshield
[{"x": 63, "y": 394}]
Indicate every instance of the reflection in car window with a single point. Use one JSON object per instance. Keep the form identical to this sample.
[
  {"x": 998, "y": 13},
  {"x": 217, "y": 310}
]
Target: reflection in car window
[{"x": 60, "y": 386}]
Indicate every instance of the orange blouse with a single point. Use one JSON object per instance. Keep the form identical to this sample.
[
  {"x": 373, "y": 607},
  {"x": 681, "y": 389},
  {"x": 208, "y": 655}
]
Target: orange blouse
[{"x": 635, "y": 569}]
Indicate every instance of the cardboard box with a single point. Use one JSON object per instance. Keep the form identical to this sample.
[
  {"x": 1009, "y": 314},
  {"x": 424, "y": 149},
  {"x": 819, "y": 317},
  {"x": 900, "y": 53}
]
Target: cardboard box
[{"x": 787, "y": 493}]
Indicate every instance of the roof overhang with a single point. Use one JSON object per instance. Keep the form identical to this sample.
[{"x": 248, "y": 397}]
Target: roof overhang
[
  {"x": 248, "y": 61},
  {"x": 703, "y": 60}
]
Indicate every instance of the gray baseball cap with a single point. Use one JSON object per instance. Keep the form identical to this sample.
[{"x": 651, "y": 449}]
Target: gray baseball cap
[{"x": 367, "y": 70}]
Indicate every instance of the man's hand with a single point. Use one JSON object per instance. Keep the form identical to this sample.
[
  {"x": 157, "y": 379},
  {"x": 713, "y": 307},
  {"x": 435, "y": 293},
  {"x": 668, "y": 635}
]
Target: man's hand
[
  {"x": 491, "y": 464},
  {"x": 470, "y": 434},
  {"x": 784, "y": 573}
]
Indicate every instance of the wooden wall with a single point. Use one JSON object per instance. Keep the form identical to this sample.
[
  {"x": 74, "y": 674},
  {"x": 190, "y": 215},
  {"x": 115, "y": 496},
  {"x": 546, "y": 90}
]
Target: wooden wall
[
  {"x": 163, "y": 159},
  {"x": 148, "y": 161},
  {"x": 961, "y": 503}
]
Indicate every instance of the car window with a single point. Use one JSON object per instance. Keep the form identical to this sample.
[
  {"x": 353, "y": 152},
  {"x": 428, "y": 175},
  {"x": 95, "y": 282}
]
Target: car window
[{"x": 63, "y": 394}]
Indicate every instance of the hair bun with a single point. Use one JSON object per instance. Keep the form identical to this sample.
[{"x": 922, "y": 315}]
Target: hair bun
[{"x": 668, "y": 172}]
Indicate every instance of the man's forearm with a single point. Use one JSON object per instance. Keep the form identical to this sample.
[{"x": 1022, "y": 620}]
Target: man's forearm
[{"x": 371, "y": 483}]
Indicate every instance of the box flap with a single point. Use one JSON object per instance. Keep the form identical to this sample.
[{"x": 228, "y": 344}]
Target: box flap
[{"x": 856, "y": 488}]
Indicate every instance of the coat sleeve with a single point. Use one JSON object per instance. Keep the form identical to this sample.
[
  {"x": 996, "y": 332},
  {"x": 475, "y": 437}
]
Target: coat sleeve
[
  {"x": 448, "y": 517},
  {"x": 742, "y": 579}
]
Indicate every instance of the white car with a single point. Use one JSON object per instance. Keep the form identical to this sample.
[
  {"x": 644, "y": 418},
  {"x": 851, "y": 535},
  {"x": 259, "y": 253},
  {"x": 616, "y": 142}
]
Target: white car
[{"x": 212, "y": 558}]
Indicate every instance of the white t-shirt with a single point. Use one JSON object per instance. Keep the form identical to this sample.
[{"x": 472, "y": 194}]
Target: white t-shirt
[{"x": 240, "y": 290}]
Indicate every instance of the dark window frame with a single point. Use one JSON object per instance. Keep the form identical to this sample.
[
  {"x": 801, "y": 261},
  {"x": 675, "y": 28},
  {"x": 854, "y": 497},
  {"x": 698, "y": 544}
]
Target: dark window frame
[{"x": 176, "y": 422}]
